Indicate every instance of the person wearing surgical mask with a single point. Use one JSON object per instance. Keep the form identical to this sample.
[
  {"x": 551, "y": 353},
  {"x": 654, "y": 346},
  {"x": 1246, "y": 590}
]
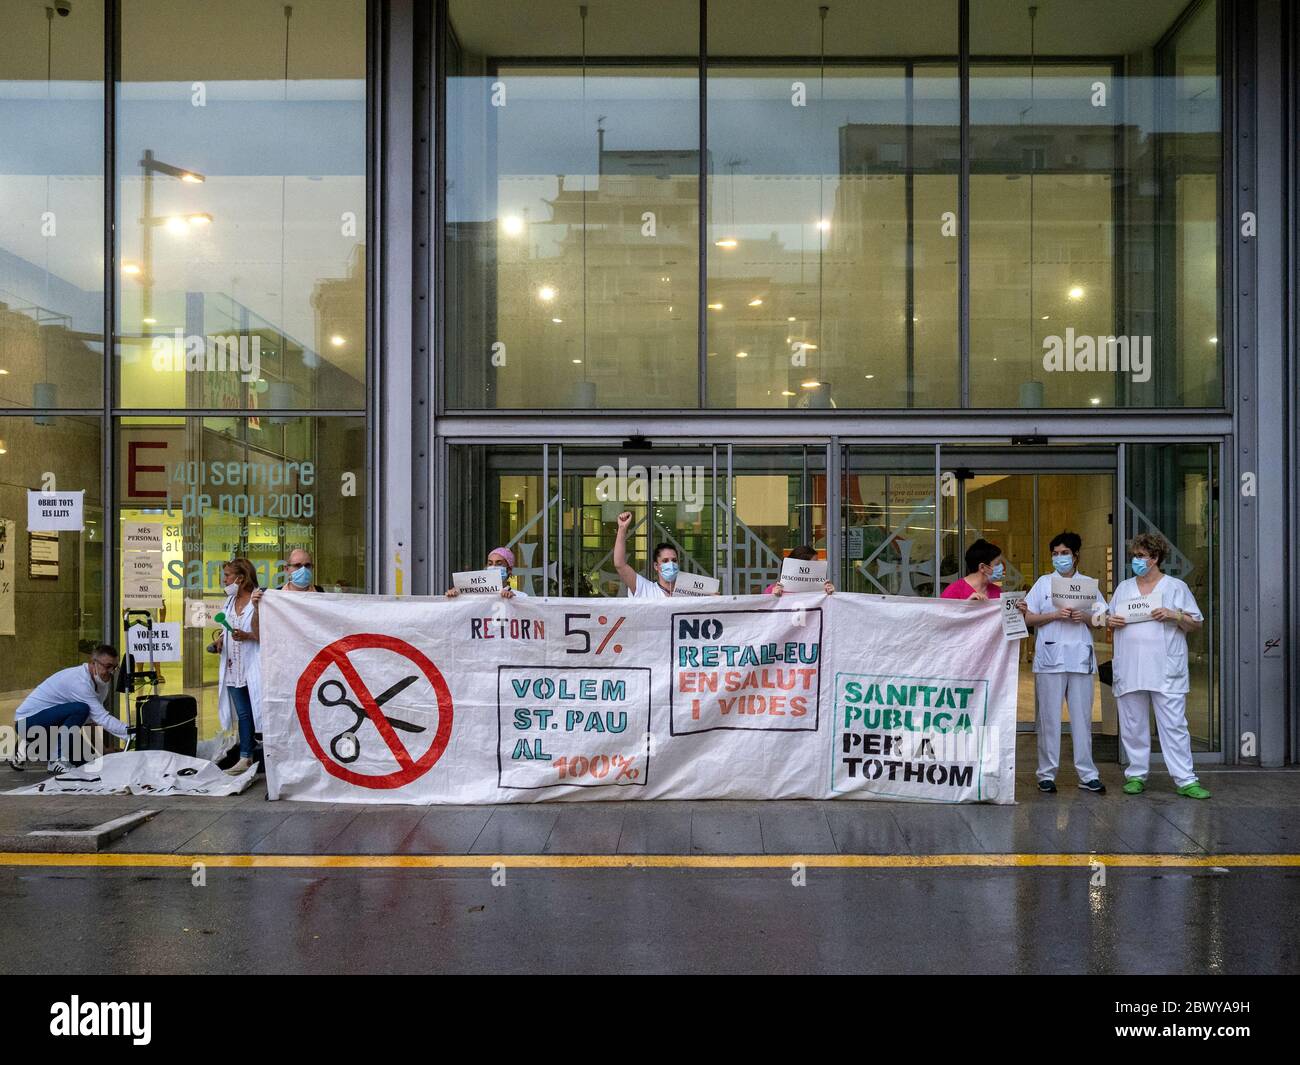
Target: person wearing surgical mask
[
  {"x": 65, "y": 701},
  {"x": 501, "y": 559},
  {"x": 298, "y": 575},
  {"x": 984, "y": 567},
  {"x": 239, "y": 675},
  {"x": 1150, "y": 667},
  {"x": 1064, "y": 665},
  {"x": 666, "y": 565}
]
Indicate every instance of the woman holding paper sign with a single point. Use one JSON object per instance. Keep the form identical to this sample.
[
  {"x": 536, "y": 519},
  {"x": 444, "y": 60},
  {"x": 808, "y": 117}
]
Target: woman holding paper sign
[
  {"x": 239, "y": 675},
  {"x": 802, "y": 553},
  {"x": 501, "y": 559},
  {"x": 1064, "y": 665},
  {"x": 1151, "y": 614}
]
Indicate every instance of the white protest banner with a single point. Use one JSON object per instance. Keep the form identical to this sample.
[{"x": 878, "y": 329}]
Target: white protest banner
[
  {"x": 55, "y": 511},
  {"x": 142, "y": 565},
  {"x": 142, "y": 594},
  {"x": 381, "y": 699},
  {"x": 477, "y": 581},
  {"x": 143, "y": 773},
  {"x": 166, "y": 640},
  {"x": 800, "y": 576},
  {"x": 1075, "y": 593},
  {"x": 8, "y": 549},
  {"x": 1139, "y": 609},
  {"x": 1013, "y": 622},
  {"x": 695, "y": 584},
  {"x": 142, "y": 536}
]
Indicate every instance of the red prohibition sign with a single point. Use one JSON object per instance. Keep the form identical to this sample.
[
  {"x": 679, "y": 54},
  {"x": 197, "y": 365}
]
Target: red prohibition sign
[{"x": 336, "y": 654}]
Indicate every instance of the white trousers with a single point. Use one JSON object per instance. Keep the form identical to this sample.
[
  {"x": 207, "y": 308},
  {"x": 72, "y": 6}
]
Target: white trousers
[
  {"x": 1075, "y": 689},
  {"x": 1175, "y": 736}
]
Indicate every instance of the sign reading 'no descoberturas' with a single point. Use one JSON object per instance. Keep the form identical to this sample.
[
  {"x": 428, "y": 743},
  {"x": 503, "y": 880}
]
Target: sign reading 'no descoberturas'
[{"x": 485, "y": 700}]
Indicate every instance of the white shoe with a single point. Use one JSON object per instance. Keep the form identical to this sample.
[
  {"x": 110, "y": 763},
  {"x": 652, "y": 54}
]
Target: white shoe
[
  {"x": 55, "y": 768},
  {"x": 242, "y": 766}
]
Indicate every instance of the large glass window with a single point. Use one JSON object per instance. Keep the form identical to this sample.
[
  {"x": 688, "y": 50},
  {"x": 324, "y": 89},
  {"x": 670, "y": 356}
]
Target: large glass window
[
  {"x": 833, "y": 192},
  {"x": 572, "y": 237},
  {"x": 1095, "y": 145},
  {"x": 52, "y": 218},
  {"x": 51, "y": 582},
  {"x": 196, "y": 492},
  {"x": 241, "y": 148}
]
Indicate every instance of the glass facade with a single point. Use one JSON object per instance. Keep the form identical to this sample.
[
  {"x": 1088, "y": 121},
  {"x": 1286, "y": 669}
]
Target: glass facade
[
  {"x": 236, "y": 292},
  {"x": 846, "y": 209},
  {"x": 722, "y": 226}
]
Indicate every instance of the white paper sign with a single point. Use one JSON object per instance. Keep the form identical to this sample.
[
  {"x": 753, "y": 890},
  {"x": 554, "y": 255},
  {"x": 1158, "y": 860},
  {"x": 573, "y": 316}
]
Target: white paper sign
[
  {"x": 477, "y": 581},
  {"x": 8, "y": 551},
  {"x": 55, "y": 511},
  {"x": 1076, "y": 593},
  {"x": 800, "y": 576},
  {"x": 166, "y": 640},
  {"x": 142, "y": 536},
  {"x": 142, "y": 565},
  {"x": 695, "y": 584},
  {"x": 201, "y": 613},
  {"x": 1139, "y": 609},
  {"x": 142, "y": 594},
  {"x": 1013, "y": 622}
]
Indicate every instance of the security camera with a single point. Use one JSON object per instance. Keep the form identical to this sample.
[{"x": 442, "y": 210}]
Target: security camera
[{"x": 63, "y": 7}]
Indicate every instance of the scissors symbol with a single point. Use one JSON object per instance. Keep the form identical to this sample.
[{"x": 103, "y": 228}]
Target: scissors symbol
[{"x": 345, "y": 746}]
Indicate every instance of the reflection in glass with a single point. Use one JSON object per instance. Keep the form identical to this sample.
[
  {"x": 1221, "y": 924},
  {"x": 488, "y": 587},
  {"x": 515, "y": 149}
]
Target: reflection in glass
[
  {"x": 889, "y": 515},
  {"x": 1093, "y": 206},
  {"x": 52, "y": 192},
  {"x": 242, "y": 204},
  {"x": 572, "y": 207},
  {"x": 221, "y": 488}
]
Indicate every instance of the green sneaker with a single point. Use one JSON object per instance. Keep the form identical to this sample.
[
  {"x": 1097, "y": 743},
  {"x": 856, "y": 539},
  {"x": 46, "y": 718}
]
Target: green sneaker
[
  {"x": 1134, "y": 786},
  {"x": 1194, "y": 791}
]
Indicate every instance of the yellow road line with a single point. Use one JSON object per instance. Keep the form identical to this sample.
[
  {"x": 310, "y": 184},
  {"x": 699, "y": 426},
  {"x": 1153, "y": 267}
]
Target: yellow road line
[{"x": 648, "y": 861}]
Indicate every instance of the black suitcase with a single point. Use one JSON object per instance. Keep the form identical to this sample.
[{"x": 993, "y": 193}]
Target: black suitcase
[{"x": 168, "y": 723}]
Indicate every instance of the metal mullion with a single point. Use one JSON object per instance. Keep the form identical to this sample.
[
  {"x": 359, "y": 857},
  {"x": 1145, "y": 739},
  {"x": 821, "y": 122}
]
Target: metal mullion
[
  {"x": 938, "y": 519},
  {"x": 731, "y": 526},
  {"x": 546, "y": 514},
  {"x": 702, "y": 195},
  {"x": 559, "y": 514},
  {"x": 963, "y": 202},
  {"x": 108, "y": 487}
]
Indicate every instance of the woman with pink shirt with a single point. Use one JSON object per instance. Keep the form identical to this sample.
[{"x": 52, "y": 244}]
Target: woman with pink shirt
[{"x": 984, "y": 565}]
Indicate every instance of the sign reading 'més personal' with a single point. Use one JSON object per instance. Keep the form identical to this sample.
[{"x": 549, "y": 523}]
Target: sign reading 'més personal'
[{"x": 474, "y": 700}]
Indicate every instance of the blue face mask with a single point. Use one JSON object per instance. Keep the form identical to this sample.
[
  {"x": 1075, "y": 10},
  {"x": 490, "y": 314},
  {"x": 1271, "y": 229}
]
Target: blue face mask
[
  {"x": 1140, "y": 566},
  {"x": 999, "y": 571},
  {"x": 505, "y": 575},
  {"x": 668, "y": 571},
  {"x": 301, "y": 577},
  {"x": 1063, "y": 563}
]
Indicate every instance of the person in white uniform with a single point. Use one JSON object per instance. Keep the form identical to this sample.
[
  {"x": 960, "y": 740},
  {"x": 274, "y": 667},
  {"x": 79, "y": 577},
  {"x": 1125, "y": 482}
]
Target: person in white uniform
[
  {"x": 665, "y": 565},
  {"x": 1150, "y": 667},
  {"x": 239, "y": 675},
  {"x": 1064, "y": 665},
  {"x": 501, "y": 559}
]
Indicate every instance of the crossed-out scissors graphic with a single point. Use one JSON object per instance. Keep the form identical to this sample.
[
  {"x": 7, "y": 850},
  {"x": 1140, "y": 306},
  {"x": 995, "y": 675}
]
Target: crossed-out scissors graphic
[{"x": 345, "y": 746}]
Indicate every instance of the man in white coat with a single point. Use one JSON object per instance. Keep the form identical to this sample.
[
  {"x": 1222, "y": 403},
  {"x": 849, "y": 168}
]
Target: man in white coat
[{"x": 1064, "y": 667}]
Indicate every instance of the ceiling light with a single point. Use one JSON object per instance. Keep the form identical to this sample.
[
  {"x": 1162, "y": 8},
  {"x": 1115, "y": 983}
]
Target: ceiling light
[
  {"x": 727, "y": 242},
  {"x": 823, "y": 224},
  {"x": 790, "y": 318},
  {"x": 715, "y": 306},
  {"x": 131, "y": 268},
  {"x": 557, "y": 321},
  {"x": 1045, "y": 317},
  {"x": 177, "y": 226},
  {"x": 1096, "y": 401},
  {"x": 787, "y": 392},
  {"x": 149, "y": 321},
  {"x": 198, "y": 219},
  {"x": 810, "y": 384},
  {"x": 193, "y": 179},
  {"x": 546, "y": 292},
  {"x": 577, "y": 362},
  {"x": 870, "y": 376},
  {"x": 337, "y": 340},
  {"x": 756, "y": 302},
  {"x": 512, "y": 225},
  {"x": 1214, "y": 340},
  {"x": 4, "y": 373},
  {"x": 1076, "y": 292},
  {"x": 742, "y": 354}
]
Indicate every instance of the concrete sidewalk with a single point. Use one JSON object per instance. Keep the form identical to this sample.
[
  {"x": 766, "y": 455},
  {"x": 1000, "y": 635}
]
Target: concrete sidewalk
[{"x": 1252, "y": 812}]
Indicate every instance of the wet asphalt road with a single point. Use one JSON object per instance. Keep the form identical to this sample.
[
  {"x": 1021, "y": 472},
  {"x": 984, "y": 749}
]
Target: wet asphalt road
[{"x": 968, "y": 920}]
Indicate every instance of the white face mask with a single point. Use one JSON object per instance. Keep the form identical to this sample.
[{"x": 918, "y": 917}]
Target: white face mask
[{"x": 232, "y": 589}]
